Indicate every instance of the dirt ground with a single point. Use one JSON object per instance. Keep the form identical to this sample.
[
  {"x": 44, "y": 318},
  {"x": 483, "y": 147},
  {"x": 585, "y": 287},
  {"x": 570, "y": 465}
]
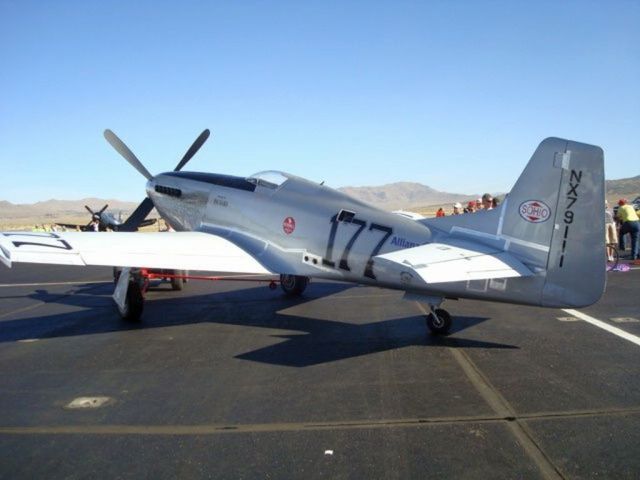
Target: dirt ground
[{"x": 30, "y": 223}]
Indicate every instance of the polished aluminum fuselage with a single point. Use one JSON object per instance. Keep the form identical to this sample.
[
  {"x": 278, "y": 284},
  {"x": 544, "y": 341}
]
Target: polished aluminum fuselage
[{"x": 299, "y": 227}]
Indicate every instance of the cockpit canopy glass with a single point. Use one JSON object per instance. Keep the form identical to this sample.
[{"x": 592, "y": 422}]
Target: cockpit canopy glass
[{"x": 268, "y": 179}]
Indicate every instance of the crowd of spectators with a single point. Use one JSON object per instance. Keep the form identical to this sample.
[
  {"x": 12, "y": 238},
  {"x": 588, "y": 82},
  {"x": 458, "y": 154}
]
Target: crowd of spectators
[{"x": 486, "y": 202}]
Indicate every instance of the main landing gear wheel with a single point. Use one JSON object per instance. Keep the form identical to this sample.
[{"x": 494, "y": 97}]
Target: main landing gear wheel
[
  {"x": 134, "y": 303},
  {"x": 439, "y": 321},
  {"x": 177, "y": 283},
  {"x": 293, "y": 285}
]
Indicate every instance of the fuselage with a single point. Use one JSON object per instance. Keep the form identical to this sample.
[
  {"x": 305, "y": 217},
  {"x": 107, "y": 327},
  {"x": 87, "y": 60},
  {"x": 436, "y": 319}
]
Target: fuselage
[{"x": 289, "y": 224}]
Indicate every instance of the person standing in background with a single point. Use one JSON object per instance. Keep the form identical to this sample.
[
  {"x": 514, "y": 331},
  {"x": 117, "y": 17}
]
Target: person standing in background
[{"x": 630, "y": 223}]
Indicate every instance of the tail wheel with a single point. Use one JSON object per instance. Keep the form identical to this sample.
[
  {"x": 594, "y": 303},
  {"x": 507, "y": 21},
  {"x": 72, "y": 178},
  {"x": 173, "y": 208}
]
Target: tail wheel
[
  {"x": 439, "y": 322},
  {"x": 293, "y": 285}
]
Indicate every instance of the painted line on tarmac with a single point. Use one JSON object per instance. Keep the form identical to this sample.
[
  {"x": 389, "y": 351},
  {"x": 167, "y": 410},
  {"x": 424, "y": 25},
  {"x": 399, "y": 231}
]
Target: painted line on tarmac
[
  {"x": 52, "y": 284},
  {"x": 41, "y": 303},
  {"x": 223, "y": 429},
  {"x": 603, "y": 325},
  {"x": 503, "y": 408},
  {"x": 22, "y": 310}
]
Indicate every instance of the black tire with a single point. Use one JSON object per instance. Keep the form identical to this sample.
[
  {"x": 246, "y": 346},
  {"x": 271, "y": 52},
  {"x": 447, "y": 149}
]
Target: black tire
[
  {"x": 134, "y": 303},
  {"x": 440, "y": 323},
  {"x": 293, "y": 285},
  {"x": 177, "y": 284}
]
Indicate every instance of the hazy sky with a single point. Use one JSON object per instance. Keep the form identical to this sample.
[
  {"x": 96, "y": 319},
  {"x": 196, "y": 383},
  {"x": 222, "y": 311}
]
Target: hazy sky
[{"x": 452, "y": 94}]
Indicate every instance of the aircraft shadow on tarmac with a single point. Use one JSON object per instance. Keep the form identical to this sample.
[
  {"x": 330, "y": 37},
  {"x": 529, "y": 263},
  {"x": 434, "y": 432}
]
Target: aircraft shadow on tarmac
[{"x": 319, "y": 341}]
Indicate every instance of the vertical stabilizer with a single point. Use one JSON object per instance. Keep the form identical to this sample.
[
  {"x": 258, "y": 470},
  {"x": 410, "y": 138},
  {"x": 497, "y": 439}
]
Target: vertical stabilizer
[{"x": 555, "y": 214}]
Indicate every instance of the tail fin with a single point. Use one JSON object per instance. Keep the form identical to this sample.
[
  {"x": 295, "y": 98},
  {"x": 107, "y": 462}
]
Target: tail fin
[
  {"x": 552, "y": 221},
  {"x": 555, "y": 215}
]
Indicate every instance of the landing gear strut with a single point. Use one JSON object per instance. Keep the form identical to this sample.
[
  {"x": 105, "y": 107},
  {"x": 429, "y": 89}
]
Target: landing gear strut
[
  {"x": 129, "y": 294},
  {"x": 293, "y": 285},
  {"x": 439, "y": 321}
]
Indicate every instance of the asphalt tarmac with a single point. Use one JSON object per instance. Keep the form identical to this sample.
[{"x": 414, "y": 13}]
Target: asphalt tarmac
[{"x": 233, "y": 380}]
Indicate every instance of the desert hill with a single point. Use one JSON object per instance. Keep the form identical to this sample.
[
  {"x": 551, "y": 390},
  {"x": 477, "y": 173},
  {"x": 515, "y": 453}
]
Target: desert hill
[
  {"x": 55, "y": 208},
  {"x": 404, "y": 195},
  {"x": 628, "y": 188}
]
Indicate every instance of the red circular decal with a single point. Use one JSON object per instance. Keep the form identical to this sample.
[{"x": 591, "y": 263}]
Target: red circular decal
[{"x": 289, "y": 225}]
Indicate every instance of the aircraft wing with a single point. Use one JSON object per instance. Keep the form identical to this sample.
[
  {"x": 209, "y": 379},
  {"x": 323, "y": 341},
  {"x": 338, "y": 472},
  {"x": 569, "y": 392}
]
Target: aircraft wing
[
  {"x": 171, "y": 250},
  {"x": 455, "y": 262}
]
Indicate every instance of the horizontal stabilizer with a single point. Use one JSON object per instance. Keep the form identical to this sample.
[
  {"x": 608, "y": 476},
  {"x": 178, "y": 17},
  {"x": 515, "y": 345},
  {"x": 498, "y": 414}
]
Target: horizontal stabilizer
[
  {"x": 170, "y": 250},
  {"x": 462, "y": 261}
]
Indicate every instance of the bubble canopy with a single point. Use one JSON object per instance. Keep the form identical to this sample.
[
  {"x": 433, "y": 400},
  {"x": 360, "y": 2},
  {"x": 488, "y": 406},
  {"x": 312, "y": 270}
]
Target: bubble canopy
[{"x": 269, "y": 179}]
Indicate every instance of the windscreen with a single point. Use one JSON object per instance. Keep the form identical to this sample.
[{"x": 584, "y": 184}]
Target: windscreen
[{"x": 269, "y": 179}]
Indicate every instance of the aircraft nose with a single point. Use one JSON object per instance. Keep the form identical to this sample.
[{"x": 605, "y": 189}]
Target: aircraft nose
[
  {"x": 151, "y": 187},
  {"x": 163, "y": 185}
]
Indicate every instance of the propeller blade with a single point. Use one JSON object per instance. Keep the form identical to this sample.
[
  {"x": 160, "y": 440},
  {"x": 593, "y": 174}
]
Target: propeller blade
[
  {"x": 88, "y": 209},
  {"x": 137, "y": 217},
  {"x": 193, "y": 149},
  {"x": 103, "y": 209},
  {"x": 128, "y": 155}
]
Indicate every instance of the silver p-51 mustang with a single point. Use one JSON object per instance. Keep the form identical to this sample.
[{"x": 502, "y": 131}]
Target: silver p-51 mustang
[{"x": 542, "y": 246}]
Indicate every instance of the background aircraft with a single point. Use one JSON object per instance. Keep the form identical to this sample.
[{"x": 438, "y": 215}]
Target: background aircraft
[
  {"x": 543, "y": 246},
  {"x": 106, "y": 220}
]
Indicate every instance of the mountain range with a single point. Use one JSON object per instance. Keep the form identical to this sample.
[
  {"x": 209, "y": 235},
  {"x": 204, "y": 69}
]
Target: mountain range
[
  {"x": 59, "y": 208},
  {"x": 628, "y": 188},
  {"x": 406, "y": 195}
]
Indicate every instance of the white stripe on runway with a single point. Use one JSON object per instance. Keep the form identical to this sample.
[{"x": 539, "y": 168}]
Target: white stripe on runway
[{"x": 605, "y": 326}]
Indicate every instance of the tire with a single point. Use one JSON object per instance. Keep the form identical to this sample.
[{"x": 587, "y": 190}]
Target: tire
[
  {"x": 293, "y": 285},
  {"x": 134, "y": 303},
  {"x": 177, "y": 284},
  {"x": 440, "y": 323}
]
